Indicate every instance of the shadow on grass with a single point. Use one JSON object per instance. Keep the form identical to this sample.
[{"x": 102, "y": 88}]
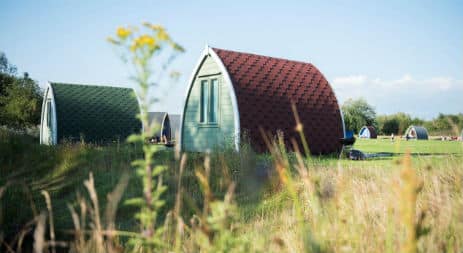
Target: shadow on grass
[{"x": 391, "y": 155}]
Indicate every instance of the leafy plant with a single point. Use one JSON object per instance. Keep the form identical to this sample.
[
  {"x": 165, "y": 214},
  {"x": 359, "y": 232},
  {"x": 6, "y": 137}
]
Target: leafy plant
[{"x": 140, "y": 47}]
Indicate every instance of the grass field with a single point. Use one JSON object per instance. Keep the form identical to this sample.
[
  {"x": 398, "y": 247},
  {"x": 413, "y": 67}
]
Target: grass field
[
  {"x": 420, "y": 148},
  {"x": 339, "y": 205}
]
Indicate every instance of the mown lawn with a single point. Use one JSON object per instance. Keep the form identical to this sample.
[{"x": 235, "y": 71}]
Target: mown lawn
[
  {"x": 420, "y": 147},
  {"x": 383, "y": 153}
]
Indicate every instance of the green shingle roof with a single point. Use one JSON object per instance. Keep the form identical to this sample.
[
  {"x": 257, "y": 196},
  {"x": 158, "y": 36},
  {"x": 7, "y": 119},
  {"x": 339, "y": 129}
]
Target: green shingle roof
[
  {"x": 420, "y": 132},
  {"x": 99, "y": 114}
]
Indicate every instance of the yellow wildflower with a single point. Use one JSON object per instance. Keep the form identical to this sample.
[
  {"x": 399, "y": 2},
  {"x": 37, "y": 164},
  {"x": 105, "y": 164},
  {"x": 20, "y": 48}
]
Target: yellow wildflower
[
  {"x": 146, "y": 40},
  {"x": 134, "y": 46},
  {"x": 142, "y": 41},
  {"x": 123, "y": 33},
  {"x": 156, "y": 27},
  {"x": 162, "y": 35}
]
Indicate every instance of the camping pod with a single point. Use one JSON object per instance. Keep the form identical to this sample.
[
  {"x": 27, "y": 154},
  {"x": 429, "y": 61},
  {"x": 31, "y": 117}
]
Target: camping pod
[
  {"x": 89, "y": 113},
  {"x": 161, "y": 122},
  {"x": 166, "y": 125},
  {"x": 234, "y": 96},
  {"x": 368, "y": 132},
  {"x": 175, "y": 126},
  {"x": 416, "y": 133}
]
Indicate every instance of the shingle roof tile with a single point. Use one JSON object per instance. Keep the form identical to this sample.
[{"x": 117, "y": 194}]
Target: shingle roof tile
[
  {"x": 99, "y": 114},
  {"x": 266, "y": 86}
]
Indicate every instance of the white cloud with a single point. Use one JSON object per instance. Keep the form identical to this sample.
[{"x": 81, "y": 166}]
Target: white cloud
[
  {"x": 405, "y": 93},
  {"x": 442, "y": 83},
  {"x": 351, "y": 80},
  {"x": 405, "y": 82}
]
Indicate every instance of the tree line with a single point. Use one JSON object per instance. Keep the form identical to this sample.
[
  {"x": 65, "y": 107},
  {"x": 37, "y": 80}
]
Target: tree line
[
  {"x": 20, "y": 97},
  {"x": 358, "y": 113}
]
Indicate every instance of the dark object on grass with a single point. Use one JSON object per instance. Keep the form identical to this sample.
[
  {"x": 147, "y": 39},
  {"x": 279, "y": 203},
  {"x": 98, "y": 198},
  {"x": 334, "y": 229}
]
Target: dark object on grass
[
  {"x": 355, "y": 154},
  {"x": 349, "y": 134},
  {"x": 170, "y": 144},
  {"x": 347, "y": 141},
  {"x": 347, "y": 144}
]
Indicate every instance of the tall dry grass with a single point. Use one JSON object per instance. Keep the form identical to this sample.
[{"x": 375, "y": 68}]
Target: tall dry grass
[
  {"x": 351, "y": 209},
  {"x": 410, "y": 205}
]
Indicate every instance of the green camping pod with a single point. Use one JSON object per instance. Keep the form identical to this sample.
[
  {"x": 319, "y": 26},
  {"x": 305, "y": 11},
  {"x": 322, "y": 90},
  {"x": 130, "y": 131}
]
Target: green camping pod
[
  {"x": 416, "y": 133},
  {"x": 94, "y": 114}
]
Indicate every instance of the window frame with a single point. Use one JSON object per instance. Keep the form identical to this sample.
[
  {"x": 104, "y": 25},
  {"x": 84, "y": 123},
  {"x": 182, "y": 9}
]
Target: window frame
[
  {"x": 49, "y": 112},
  {"x": 206, "y": 121},
  {"x": 203, "y": 114},
  {"x": 213, "y": 96}
]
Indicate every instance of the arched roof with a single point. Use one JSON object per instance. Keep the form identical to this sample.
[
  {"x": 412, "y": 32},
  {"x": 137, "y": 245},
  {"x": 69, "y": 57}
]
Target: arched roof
[
  {"x": 421, "y": 132},
  {"x": 174, "y": 124},
  {"x": 372, "y": 130},
  {"x": 158, "y": 119},
  {"x": 265, "y": 87},
  {"x": 98, "y": 113}
]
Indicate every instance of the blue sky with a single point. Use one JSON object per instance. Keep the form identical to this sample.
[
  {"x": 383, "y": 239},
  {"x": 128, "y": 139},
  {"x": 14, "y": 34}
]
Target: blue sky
[{"x": 399, "y": 55}]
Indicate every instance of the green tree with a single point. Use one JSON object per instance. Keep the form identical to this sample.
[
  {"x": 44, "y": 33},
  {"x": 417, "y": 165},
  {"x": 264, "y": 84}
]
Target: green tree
[
  {"x": 20, "y": 97},
  {"x": 7, "y": 73},
  {"x": 388, "y": 124},
  {"x": 6, "y": 66},
  {"x": 358, "y": 113},
  {"x": 446, "y": 124},
  {"x": 396, "y": 123},
  {"x": 443, "y": 124}
]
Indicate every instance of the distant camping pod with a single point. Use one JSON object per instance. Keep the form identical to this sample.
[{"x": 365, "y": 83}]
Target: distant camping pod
[
  {"x": 368, "y": 132},
  {"x": 161, "y": 122},
  {"x": 166, "y": 124},
  {"x": 233, "y": 94},
  {"x": 95, "y": 114},
  {"x": 416, "y": 133}
]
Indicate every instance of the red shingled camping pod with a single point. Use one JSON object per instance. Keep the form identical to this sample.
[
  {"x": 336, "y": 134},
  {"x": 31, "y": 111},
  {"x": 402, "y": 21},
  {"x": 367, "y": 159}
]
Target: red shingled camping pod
[
  {"x": 368, "y": 132},
  {"x": 232, "y": 93}
]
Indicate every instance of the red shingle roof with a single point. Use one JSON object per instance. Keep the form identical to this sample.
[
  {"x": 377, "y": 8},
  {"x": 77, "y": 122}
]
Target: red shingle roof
[
  {"x": 266, "y": 86},
  {"x": 372, "y": 130}
]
